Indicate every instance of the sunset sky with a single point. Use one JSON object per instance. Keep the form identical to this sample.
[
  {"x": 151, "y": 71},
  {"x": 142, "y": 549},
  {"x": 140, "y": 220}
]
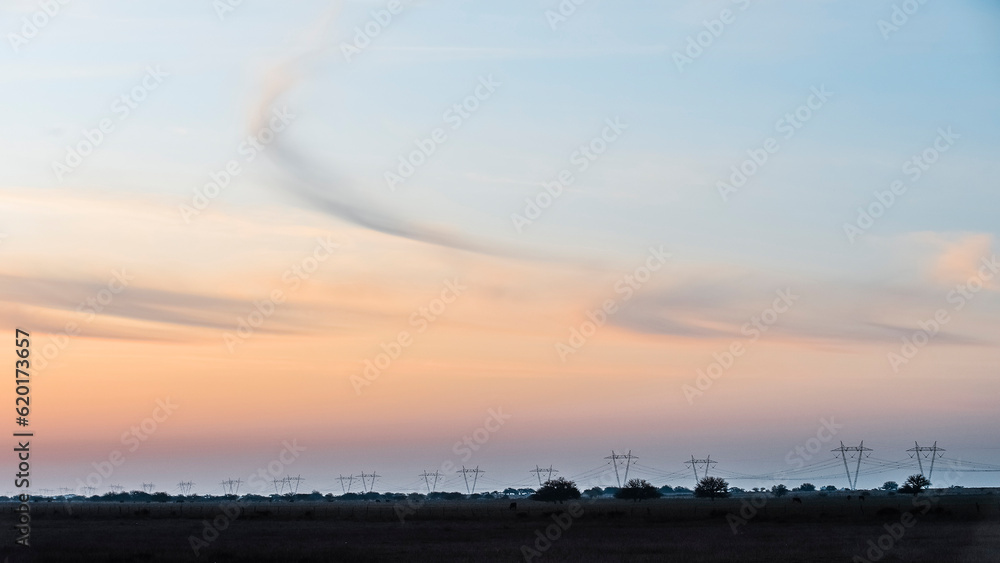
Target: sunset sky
[{"x": 869, "y": 209}]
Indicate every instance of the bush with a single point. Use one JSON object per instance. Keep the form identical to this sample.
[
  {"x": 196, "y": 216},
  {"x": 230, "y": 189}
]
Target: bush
[
  {"x": 914, "y": 484},
  {"x": 557, "y": 490},
  {"x": 779, "y": 490},
  {"x": 638, "y": 489},
  {"x": 712, "y": 487}
]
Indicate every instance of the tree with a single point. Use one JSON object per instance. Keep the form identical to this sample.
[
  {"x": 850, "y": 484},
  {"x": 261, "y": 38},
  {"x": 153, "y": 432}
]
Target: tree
[
  {"x": 594, "y": 492},
  {"x": 808, "y": 487},
  {"x": 890, "y": 486},
  {"x": 666, "y": 489},
  {"x": 830, "y": 488},
  {"x": 779, "y": 490},
  {"x": 638, "y": 489},
  {"x": 914, "y": 484},
  {"x": 712, "y": 487},
  {"x": 557, "y": 490}
]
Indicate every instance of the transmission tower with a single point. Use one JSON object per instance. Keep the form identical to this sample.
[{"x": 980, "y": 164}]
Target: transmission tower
[
  {"x": 475, "y": 477},
  {"x": 694, "y": 463},
  {"x": 436, "y": 475},
  {"x": 116, "y": 488},
  {"x": 90, "y": 490},
  {"x": 615, "y": 461},
  {"x": 858, "y": 451},
  {"x": 231, "y": 486},
  {"x": 147, "y": 488},
  {"x": 538, "y": 472},
  {"x": 364, "y": 481},
  {"x": 294, "y": 489},
  {"x": 917, "y": 453},
  {"x": 185, "y": 487},
  {"x": 350, "y": 481}
]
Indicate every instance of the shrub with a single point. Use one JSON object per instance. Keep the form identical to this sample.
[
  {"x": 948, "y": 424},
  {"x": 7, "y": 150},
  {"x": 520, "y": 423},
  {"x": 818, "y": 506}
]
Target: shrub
[
  {"x": 557, "y": 490},
  {"x": 712, "y": 487},
  {"x": 914, "y": 484},
  {"x": 638, "y": 489}
]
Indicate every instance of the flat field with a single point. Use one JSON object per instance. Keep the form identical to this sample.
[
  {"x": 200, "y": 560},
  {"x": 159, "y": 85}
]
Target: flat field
[{"x": 835, "y": 528}]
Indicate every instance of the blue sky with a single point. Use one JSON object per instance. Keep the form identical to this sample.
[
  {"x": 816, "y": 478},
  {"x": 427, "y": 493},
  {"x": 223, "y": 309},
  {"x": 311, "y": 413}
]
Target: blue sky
[{"x": 558, "y": 87}]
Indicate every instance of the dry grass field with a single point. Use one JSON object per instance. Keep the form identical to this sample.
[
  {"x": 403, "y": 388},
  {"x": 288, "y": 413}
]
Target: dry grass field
[{"x": 935, "y": 528}]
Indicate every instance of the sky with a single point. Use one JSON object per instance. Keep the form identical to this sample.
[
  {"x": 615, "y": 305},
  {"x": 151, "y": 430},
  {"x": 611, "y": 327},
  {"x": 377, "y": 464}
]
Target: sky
[{"x": 319, "y": 238}]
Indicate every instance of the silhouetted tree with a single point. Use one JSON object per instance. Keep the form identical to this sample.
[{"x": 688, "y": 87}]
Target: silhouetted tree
[
  {"x": 890, "y": 486},
  {"x": 914, "y": 484},
  {"x": 594, "y": 492},
  {"x": 808, "y": 487},
  {"x": 557, "y": 490},
  {"x": 779, "y": 490},
  {"x": 712, "y": 487},
  {"x": 638, "y": 489},
  {"x": 666, "y": 489},
  {"x": 830, "y": 488}
]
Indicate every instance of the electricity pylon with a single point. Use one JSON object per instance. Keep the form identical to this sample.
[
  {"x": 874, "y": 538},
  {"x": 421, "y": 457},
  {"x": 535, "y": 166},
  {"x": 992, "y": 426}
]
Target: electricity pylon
[
  {"x": 436, "y": 475},
  {"x": 297, "y": 479},
  {"x": 538, "y": 471},
  {"x": 475, "y": 477},
  {"x": 860, "y": 452},
  {"x": 694, "y": 463},
  {"x": 185, "y": 487},
  {"x": 364, "y": 481},
  {"x": 917, "y": 449},
  {"x": 628, "y": 461},
  {"x": 350, "y": 481},
  {"x": 231, "y": 486}
]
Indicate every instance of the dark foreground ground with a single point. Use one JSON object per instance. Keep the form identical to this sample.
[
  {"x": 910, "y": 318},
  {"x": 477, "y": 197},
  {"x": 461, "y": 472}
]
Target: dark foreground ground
[{"x": 934, "y": 528}]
